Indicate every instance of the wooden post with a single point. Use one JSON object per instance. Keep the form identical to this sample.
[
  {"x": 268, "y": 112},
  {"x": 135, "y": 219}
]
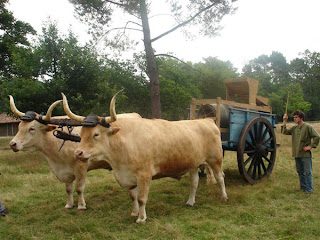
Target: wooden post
[
  {"x": 218, "y": 112},
  {"x": 192, "y": 109}
]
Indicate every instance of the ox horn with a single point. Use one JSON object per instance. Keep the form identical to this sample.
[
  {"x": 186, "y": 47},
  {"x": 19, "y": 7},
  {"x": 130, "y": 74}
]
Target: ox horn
[
  {"x": 14, "y": 109},
  {"x": 113, "y": 115},
  {"x": 68, "y": 111},
  {"x": 50, "y": 109}
]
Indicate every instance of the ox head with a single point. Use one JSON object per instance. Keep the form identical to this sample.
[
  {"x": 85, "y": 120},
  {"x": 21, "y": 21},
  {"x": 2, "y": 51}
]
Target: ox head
[
  {"x": 95, "y": 130},
  {"x": 31, "y": 129}
]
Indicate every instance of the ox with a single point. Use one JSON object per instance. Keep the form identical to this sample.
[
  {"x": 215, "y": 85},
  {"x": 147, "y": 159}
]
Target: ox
[
  {"x": 140, "y": 150},
  {"x": 35, "y": 134}
]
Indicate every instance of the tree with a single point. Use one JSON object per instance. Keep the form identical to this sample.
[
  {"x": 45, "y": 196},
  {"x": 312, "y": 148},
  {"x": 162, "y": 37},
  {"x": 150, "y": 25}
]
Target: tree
[
  {"x": 298, "y": 70},
  {"x": 13, "y": 37},
  {"x": 271, "y": 71},
  {"x": 178, "y": 86},
  {"x": 14, "y": 49},
  {"x": 211, "y": 75},
  {"x": 49, "y": 51},
  {"x": 122, "y": 74},
  {"x": 307, "y": 70},
  {"x": 279, "y": 68},
  {"x": 68, "y": 67},
  {"x": 99, "y": 13},
  {"x": 277, "y": 77},
  {"x": 29, "y": 95},
  {"x": 259, "y": 68},
  {"x": 278, "y": 100},
  {"x": 89, "y": 81}
]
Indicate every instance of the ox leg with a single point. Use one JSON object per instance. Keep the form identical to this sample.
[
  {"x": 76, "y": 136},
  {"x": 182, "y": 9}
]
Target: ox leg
[
  {"x": 194, "y": 180},
  {"x": 80, "y": 185},
  {"x": 135, "y": 205},
  {"x": 69, "y": 190},
  {"x": 80, "y": 175},
  {"x": 143, "y": 184},
  {"x": 210, "y": 176},
  {"x": 219, "y": 176}
]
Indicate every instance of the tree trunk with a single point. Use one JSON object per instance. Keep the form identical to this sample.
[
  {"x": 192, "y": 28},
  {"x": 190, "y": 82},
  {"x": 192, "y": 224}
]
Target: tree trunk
[{"x": 152, "y": 68}]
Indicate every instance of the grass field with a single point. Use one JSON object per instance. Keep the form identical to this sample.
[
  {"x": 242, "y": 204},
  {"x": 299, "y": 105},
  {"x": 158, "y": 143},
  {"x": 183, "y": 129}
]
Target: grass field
[{"x": 271, "y": 209}]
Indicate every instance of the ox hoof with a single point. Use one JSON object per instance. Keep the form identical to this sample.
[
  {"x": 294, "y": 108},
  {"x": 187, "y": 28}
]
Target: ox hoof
[
  {"x": 134, "y": 214},
  {"x": 224, "y": 199},
  {"x": 190, "y": 203},
  {"x": 68, "y": 206},
  {"x": 139, "y": 220},
  {"x": 82, "y": 208}
]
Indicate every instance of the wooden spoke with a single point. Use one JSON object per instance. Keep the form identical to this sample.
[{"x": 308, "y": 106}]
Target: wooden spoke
[
  {"x": 248, "y": 160},
  {"x": 250, "y": 151},
  {"x": 263, "y": 166},
  {"x": 250, "y": 144},
  {"x": 260, "y": 132}
]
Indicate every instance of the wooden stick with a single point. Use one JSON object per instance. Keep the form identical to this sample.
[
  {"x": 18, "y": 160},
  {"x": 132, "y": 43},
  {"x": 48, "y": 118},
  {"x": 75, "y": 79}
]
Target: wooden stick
[
  {"x": 286, "y": 112},
  {"x": 287, "y": 103}
]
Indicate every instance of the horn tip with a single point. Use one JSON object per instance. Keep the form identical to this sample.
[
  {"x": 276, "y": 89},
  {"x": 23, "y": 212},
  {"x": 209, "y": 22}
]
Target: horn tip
[{"x": 63, "y": 96}]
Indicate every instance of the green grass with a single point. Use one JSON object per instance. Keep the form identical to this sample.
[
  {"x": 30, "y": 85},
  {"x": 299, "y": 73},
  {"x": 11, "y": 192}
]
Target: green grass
[{"x": 271, "y": 209}]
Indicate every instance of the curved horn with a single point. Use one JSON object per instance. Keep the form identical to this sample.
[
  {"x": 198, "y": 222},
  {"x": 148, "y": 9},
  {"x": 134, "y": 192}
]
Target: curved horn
[
  {"x": 113, "y": 115},
  {"x": 50, "y": 109},
  {"x": 14, "y": 109},
  {"x": 68, "y": 111}
]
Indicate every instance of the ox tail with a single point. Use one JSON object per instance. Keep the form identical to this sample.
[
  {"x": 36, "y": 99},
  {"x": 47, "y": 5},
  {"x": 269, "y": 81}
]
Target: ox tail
[{"x": 210, "y": 177}]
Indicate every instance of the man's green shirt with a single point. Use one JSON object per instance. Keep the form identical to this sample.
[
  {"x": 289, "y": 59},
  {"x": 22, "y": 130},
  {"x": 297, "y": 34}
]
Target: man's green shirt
[{"x": 301, "y": 137}]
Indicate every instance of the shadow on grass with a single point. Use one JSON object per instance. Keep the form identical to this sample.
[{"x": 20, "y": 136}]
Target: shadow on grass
[{"x": 233, "y": 177}]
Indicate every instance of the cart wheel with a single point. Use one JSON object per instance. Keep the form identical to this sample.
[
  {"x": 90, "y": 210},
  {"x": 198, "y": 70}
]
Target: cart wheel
[
  {"x": 256, "y": 150},
  {"x": 205, "y": 112}
]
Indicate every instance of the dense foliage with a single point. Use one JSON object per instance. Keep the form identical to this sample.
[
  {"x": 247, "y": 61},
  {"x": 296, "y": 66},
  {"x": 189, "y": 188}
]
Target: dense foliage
[
  {"x": 36, "y": 73},
  {"x": 300, "y": 79}
]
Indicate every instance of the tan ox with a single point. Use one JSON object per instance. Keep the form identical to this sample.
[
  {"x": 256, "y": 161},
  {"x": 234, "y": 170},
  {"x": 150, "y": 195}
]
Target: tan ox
[
  {"x": 140, "y": 150},
  {"x": 35, "y": 135}
]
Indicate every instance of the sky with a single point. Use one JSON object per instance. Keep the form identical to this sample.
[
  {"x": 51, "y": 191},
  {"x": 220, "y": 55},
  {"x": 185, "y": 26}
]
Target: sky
[{"x": 257, "y": 27}]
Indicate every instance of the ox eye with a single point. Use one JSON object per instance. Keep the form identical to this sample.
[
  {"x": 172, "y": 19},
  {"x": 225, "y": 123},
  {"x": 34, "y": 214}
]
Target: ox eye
[
  {"x": 32, "y": 129},
  {"x": 96, "y": 135}
]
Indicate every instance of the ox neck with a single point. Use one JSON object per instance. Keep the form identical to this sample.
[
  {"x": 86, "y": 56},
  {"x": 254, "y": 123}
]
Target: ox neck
[{"x": 50, "y": 145}]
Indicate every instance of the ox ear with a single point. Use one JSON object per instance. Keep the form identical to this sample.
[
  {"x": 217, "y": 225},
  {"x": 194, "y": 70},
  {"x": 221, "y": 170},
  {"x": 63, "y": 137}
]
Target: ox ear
[
  {"x": 50, "y": 128},
  {"x": 113, "y": 130}
]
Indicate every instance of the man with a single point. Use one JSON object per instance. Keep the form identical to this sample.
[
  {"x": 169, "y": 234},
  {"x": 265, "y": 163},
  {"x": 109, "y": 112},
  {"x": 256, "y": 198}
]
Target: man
[
  {"x": 302, "y": 134},
  {"x": 3, "y": 211}
]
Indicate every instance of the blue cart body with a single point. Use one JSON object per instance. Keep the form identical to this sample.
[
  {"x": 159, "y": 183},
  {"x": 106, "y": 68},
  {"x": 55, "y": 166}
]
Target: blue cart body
[{"x": 238, "y": 119}]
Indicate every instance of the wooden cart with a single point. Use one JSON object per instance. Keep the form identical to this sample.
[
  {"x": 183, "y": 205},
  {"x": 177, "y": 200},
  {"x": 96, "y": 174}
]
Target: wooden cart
[{"x": 246, "y": 124}]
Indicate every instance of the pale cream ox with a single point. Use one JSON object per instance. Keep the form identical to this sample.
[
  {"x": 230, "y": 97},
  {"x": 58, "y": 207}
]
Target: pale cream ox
[
  {"x": 35, "y": 134},
  {"x": 140, "y": 150}
]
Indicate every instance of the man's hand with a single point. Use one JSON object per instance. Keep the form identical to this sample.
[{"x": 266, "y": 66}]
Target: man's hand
[
  {"x": 306, "y": 148},
  {"x": 285, "y": 118}
]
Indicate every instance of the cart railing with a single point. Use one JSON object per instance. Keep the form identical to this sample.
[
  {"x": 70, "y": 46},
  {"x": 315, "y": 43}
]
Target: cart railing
[{"x": 195, "y": 102}]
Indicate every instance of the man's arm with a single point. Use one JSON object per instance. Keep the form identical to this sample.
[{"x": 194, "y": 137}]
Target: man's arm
[
  {"x": 315, "y": 137},
  {"x": 284, "y": 129}
]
